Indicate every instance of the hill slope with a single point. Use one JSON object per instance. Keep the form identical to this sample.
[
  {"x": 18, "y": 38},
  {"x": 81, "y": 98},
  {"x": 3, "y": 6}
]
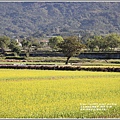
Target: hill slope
[{"x": 25, "y": 18}]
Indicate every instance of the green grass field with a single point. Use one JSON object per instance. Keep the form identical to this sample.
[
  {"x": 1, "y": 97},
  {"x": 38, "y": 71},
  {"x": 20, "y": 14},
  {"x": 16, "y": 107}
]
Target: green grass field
[{"x": 59, "y": 94}]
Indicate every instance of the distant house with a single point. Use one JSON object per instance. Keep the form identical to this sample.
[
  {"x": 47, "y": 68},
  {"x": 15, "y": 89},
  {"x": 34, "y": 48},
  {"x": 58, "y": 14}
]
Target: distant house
[
  {"x": 44, "y": 41},
  {"x": 19, "y": 44}
]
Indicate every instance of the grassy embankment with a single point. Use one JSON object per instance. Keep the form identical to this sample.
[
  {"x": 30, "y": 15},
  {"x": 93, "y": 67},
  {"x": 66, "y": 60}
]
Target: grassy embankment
[{"x": 61, "y": 61}]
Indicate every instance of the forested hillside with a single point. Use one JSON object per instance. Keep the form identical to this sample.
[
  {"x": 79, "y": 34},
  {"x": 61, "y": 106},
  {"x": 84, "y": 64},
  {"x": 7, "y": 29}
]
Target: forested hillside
[{"x": 27, "y": 18}]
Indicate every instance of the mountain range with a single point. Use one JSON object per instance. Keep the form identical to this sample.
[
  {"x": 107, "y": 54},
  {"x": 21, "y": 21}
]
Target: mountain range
[{"x": 45, "y": 18}]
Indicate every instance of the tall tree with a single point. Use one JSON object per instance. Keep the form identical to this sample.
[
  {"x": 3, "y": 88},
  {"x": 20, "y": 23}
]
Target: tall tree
[
  {"x": 14, "y": 46},
  {"x": 4, "y": 42},
  {"x": 26, "y": 46},
  {"x": 70, "y": 47},
  {"x": 100, "y": 43},
  {"x": 90, "y": 44},
  {"x": 113, "y": 40},
  {"x": 54, "y": 41}
]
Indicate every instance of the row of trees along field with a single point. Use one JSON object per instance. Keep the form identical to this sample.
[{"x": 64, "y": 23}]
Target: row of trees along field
[
  {"x": 109, "y": 42},
  {"x": 69, "y": 46}
]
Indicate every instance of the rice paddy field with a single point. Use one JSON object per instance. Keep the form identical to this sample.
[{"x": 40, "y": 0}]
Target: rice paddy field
[{"x": 59, "y": 94}]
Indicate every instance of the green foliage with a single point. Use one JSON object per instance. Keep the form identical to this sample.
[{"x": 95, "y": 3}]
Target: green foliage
[
  {"x": 104, "y": 43},
  {"x": 36, "y": 44},
  {"x": 70, "y": 47},
  {"x": 54, "y": 41},
  {"x": 13, "y": 43},
  {"x": 90, "y": 44},
  {"x": 31, "y": 44},
  {"x": 16, "y": 50},
  {"x": 113, "y": 41},
  {"x": 26, "y": 44},
  {"x": 14, "y": 46},
  {"x": 25, "y": 18},
  {"x": 4, "y": 42}
]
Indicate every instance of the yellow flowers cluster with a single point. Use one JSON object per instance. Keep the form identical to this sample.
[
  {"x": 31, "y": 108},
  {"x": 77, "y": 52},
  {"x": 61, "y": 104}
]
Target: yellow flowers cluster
[{"x": 57, "y": 94}]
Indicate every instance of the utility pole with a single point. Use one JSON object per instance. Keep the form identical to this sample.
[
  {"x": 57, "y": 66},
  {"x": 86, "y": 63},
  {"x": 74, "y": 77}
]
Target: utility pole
[{"x": 79, "y": 37}]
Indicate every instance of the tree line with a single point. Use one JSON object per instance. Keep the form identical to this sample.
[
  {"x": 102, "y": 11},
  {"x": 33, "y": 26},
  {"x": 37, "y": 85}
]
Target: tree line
[
  {"x": 69, "y": 46},
  {"x": 103, "y": 43},
  {"x": 17, "y": 47}
]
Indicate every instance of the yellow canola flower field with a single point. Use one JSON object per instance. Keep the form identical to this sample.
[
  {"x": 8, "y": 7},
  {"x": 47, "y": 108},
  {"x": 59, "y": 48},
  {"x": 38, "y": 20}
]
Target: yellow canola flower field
[{"x": 59, "y": 94}]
